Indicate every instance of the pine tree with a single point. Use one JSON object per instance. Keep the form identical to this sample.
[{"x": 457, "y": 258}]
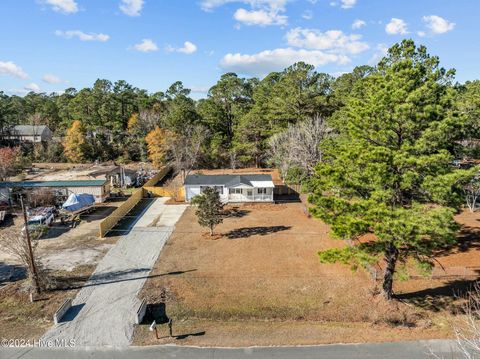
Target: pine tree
[
  {"x": 209, "y": 208},
  {"x": 389, "y": 172}
]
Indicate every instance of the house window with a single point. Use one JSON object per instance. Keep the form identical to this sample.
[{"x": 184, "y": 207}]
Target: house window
[
  {"x": 262, "y": 190},
  {"x": 235, "y": 191}
]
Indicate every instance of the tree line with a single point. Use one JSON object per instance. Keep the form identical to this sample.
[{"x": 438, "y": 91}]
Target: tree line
[
  {"x": 234, "y": 121},
  {"x": 235, "y": 125}
]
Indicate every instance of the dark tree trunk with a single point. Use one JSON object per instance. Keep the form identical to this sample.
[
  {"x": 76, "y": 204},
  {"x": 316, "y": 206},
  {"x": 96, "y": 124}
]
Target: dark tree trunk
[{"x": 391, "y": 256}]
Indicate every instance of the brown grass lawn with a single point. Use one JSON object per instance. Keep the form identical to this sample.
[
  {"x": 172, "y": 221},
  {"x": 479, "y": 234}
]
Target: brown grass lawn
[{"x": 261, "y": 275}]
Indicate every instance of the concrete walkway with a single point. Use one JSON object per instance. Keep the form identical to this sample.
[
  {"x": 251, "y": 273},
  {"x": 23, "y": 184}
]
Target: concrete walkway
[
  {"x": 103, "y": 312},
  {"x": 401, "y": 350}
]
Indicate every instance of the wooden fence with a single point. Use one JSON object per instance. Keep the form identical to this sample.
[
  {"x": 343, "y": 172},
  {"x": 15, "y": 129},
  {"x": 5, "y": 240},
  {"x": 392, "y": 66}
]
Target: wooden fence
[
  {"x": 177, "y": 193},
  {"x": 281, "y": 190},
  {"x": 111, "y": 221}
]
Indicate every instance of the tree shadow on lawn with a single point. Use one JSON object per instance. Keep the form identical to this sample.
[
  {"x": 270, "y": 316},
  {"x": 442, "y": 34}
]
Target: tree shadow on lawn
[
  {"x": 235, "y": 212},
  {"x": 468, "y": 238},
  {"x": 446, "y": 297},
  {"x": 77, "y": 282},
  {"x": 253, "y": 231}
]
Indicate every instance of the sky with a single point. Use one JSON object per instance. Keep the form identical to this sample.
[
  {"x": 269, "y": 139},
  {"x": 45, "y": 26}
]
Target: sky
[{"x": 50, "y": 45}]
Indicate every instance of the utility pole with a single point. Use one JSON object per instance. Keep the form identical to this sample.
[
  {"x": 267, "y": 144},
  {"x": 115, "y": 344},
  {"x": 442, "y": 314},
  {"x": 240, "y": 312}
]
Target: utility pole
[{"x": 33, "y": 267}]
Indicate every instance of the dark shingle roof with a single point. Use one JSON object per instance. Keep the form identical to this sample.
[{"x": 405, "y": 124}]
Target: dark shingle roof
[
  {"x": 28, "y": 130},
  {"x": 32, "y": 184},
  {"x": 225, "y": 180}
]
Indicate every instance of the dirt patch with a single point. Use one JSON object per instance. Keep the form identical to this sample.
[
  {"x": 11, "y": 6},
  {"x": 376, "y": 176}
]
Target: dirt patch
[{"x": 69, "y": 259}]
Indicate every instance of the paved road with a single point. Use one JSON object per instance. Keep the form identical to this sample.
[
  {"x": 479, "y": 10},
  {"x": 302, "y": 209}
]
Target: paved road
[
  {"x": 405, "y": 350},
  {"x": 103, "y": 312}
]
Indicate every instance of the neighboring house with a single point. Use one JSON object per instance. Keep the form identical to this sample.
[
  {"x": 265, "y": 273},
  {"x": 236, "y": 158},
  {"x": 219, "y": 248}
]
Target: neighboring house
[
  {"x": 100, "y": 189},
  {"x": 232, "y": 188},
  {"x": 29, "y": 133}
]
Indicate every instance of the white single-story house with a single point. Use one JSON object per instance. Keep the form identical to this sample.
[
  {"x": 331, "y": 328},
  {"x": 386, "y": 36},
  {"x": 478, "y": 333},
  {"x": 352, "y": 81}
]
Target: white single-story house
[
  {"x": 30, "y": 133},
  {"x": 232, "y": 188}
]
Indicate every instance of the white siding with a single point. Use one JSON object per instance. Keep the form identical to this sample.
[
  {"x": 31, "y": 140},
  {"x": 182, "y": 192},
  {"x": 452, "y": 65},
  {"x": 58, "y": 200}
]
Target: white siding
[
  {"x": 191, "y": 191},
  {"x": 194, "y": 190}
]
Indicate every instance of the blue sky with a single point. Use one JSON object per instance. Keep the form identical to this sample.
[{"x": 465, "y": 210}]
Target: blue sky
[{"x": 49, "y": 45}]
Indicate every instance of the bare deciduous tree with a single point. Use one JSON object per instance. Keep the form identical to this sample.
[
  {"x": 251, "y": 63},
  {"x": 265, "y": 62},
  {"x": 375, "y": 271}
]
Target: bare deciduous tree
[
  {"x": 43, "y": 197},
  {"x": 299, "y": 146},
  {"x": 468, "y": 331},
  {"x": 13, "y": 242},
  {"x": 472, "y": 192},
  {"x": 185, "y": 149},
  {"x": 147, "y": 121}
]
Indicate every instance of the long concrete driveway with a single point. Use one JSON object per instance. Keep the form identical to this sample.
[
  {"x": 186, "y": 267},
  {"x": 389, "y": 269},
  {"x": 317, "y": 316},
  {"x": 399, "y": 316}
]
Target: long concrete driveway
[
  {"x": 402, "y": 350},
  {"x": 103, "y": 312}
]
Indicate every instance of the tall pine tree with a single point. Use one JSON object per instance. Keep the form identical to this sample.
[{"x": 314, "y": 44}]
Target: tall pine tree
[{"x": 389, "y": 172}]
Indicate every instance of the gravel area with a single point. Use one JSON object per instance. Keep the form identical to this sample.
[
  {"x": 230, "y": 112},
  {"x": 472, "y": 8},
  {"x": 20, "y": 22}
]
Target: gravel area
[{"x": 103, "y": 313}]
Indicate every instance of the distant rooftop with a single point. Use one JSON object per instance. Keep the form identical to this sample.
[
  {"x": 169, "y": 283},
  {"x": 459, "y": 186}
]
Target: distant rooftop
[
  {"x": 28, "y": 130},
  {"x": 228, "y": 180},
  {"x": 34, "y": 184}
]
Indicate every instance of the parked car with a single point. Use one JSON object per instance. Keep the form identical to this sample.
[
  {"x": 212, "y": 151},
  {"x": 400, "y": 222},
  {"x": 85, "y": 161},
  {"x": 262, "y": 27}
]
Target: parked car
[{"x": 43, "y": 216}]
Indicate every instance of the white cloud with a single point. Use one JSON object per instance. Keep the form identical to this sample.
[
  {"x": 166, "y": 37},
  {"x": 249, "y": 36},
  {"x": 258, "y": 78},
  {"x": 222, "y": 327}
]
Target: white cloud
[
  {"x": 333, "y": 40},
  {"x": 307, "y": 15},
  {"x": 51, "y": 79},
  {"x": 344, "y": 4},
  {"x": 82, "y": 36},
  {"x": 208, "y": 5},
  {"x": 261, "y": 12},
  {"x": 188, "y": 48},
  {"x": 266, "y": 61},
  {"x": 421, "y": 33},
  {"x": 10, "y": 68},
  {"x": 33, "y": 87},
  {"x": 396, "y": 27},
  {"x": 63, "y": 6},
  {"x": 358, "y": 24},
  {"x": 131, "y": 7},
  {"x": 348, "y": 4},
  {"x": 259, "y": 17},
  {"x": 146, "y": 45},
  {"x": 437, "y": 24}
]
